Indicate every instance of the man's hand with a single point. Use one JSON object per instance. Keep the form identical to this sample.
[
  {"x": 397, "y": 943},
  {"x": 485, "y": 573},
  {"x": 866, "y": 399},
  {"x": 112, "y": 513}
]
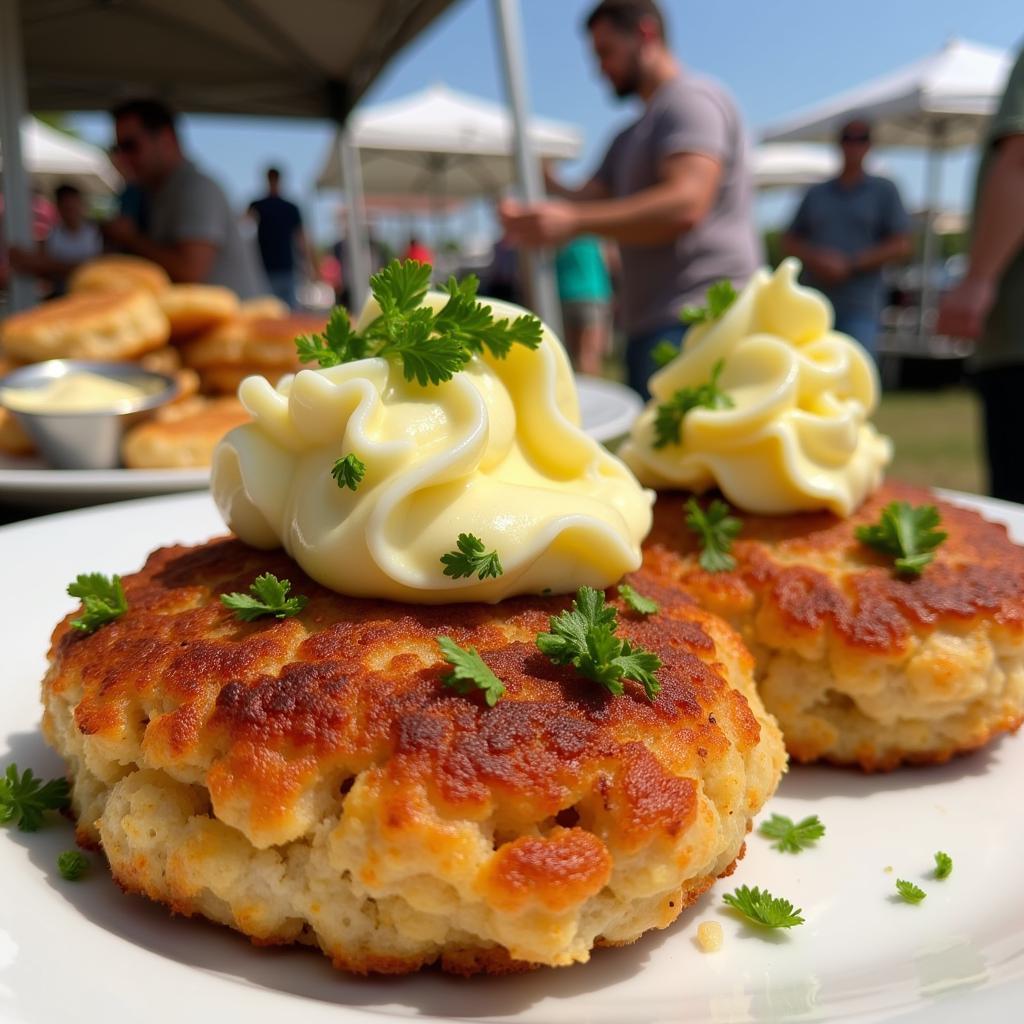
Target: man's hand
[
  {"x": 538, "y": 225},
  {"x": 830, "y": 266},
  {"x": 120, "y": 231},
  {"x": 963, "y": 310}
]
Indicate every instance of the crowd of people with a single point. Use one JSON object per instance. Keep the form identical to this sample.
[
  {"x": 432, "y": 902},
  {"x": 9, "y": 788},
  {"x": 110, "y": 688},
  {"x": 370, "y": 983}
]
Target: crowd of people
[{"x": 667, "y": 212}]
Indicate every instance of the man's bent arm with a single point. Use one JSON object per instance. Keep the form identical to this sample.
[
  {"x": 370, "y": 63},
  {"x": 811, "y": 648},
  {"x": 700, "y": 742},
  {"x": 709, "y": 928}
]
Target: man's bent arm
[
  {"x": 661, "y": 213},
  {"x": 999, "y": 223},
  {"x": 185, "y": 262},
  {"x": 892, "y": 250}
]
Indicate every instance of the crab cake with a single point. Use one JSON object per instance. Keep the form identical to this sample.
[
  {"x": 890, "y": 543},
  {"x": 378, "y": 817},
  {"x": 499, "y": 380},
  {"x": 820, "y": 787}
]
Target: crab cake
[
  {"x": 312, "y": 780},
  {"x": 193, "y": 308},
  {"x": 117, "y": 272},
  {"x": 859, "y": 665},
  {"x": 182, "y": 435},
  {"x": 113, "y": 325}
]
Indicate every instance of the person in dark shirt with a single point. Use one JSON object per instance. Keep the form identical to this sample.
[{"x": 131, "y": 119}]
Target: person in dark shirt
[
  {"x": 280, "y": 236},
  {"x": 845, "y": 231}
]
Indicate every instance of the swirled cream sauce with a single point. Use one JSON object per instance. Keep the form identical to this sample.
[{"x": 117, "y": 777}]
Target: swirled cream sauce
[
  {"x": 796, "y": 436},
  {"x": 496, "y": 452}
]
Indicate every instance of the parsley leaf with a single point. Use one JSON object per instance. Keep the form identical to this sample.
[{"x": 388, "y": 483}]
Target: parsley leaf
[
  {"x": 906, "y": 532},
  {"x": 431, "y": 347},
  {"x": 637, "y": 601},
  {"x": 349, "y": 471},
  {"x": 469, "y": 671},
  {"x": 668, "y": 417},
  {"x": 268, "y": 596},
  {"x": 909, "y": 892},
  {"x": 339, "y": 342},
  {"x": 24, "y": 798},
  {"x": 102, "y": 598},
  {"x": 471, "y": 558},
  {"x": 584, "y": 637},
  {"x": 790, "y": 836},
  {"x": 663, "y": 353},
  {"x": 720, "y": 296},
  {"x": 716, "y": 530},
  {"x": 943, "y": 865},
  {"x": 72, "y": 865},
  {"x": 761, "y": 908}
]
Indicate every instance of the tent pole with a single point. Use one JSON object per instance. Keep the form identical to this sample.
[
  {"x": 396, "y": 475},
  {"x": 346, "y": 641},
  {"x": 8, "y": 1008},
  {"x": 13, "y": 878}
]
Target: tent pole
[
  {"x": 357, "y": 256},
  {"x": 933, "y": 186},
  {"x": 541, "y": 265},
  {"x": 17, "y": 198}
]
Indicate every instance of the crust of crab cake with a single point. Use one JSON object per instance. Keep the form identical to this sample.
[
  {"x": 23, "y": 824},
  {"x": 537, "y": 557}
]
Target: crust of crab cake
[
  {"x": 312, "y": 779},
  {"x": 859, "y": 665}
]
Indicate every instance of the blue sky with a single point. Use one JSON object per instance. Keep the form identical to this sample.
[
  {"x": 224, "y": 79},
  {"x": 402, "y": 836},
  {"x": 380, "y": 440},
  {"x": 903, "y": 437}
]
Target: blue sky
[{"x": 775, "y": 56}]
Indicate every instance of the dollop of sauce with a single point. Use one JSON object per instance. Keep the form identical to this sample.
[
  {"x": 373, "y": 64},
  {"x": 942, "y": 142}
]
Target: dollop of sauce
[
  {"x": 796, "y": 437},
  {"x": 497, "y": 452},
  {"x": 79, "y": 391}
]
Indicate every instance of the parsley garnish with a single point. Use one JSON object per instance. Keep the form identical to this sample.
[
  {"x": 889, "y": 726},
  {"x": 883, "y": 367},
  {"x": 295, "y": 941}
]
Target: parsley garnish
[
  {"x": 716, "y": 530},
  {"x": 720, "y": 296},
  {"x": 102, "y": 598},
  {"x": 761, "y": 908},
  {"x": 909, "y": 892},
  {"x": 943, "y": 865},
  {"x": 268, "y": 596},
  {"x": 72, "y": 865},
  {"x": 663, "y": 353},
  {"x": 637, "y": 601},
  {"x": 907, "y": 532},
  {"x": 349, "y": 471},
  {"x": 668, "y": 417},
  {"x": 471, "y": 558},
  {"x": 24, "y": 798},
  {"x": 790, "y": 836},
  {"x": 469, "y": 671},
  {"x": 432, "y": 347},
  {"x": 584, "y": 637}
]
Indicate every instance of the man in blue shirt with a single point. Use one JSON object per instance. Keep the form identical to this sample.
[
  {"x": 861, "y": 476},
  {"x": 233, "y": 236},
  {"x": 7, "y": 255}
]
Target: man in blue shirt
[
  {"x": 279, "y": 234},
  {"x": 845, "y": 231}
]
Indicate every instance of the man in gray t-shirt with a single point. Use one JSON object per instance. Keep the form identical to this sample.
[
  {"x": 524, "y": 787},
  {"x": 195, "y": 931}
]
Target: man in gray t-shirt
[
  {"x": 191, "y": 230},
  {"x": 674, "y": 188}
]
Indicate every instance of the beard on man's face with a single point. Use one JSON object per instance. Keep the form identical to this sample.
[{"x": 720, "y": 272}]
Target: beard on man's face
[{"x": 628, "y": 83}]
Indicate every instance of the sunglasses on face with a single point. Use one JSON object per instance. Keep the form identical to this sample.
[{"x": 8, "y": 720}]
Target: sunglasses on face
[
  {"x": 855, "y": 139},
  {"x": 129, "y": 145}
]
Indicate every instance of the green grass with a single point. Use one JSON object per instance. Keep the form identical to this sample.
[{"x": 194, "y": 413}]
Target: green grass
[{"x": 937, "y": 437}]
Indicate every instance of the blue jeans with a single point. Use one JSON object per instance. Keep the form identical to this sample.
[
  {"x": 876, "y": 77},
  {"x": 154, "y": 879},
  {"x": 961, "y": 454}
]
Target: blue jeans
[
  {"x": 639, "y": 364},
  {"x": 282, "y": 284},
  {"x": 861, "y": 324}
]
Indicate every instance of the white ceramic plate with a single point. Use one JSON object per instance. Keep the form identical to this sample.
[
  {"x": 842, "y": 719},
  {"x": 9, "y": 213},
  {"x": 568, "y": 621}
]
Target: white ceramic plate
[
  {"x": 606, "y": 407},
  {"x": 76, "y": 951}
]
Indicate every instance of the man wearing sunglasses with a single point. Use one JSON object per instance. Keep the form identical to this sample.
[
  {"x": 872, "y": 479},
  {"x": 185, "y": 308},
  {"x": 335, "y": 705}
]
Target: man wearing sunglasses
[
  {"x": 845, "y": 231},
  {"x": 190, "y": 229}
]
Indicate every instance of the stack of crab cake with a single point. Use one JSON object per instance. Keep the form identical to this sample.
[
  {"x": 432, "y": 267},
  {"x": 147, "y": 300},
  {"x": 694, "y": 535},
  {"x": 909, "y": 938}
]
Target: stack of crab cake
[
  {"x": 483, "y": 765},
  {"x": 887, "y": 625}
]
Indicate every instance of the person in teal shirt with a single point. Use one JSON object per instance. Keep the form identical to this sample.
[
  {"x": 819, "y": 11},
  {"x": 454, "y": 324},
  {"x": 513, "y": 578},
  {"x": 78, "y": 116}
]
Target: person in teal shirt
[{"x": 585, "y": 290}]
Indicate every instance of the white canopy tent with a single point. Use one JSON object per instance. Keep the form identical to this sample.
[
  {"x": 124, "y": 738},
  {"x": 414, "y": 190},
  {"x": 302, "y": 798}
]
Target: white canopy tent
[
  {"x": 791, "y": 164},
  {"x": 442, "y": 143},
  {"x": 939, "y": 102},
  {"x": 52, "y": 157},
  {"x": 306, "y": 58}
]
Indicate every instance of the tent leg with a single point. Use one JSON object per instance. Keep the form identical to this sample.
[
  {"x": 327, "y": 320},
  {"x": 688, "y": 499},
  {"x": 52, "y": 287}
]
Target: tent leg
[
  {"x": 933, "y": 186},
  {"x": 17, "y": 198},
  {"x": 357, "y": 256},
  {"x": 541, "y": 265}
]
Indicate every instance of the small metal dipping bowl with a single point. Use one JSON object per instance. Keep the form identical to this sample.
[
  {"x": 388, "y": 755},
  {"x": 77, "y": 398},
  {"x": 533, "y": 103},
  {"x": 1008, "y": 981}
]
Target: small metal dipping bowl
[{"x": 85, "y": 440}]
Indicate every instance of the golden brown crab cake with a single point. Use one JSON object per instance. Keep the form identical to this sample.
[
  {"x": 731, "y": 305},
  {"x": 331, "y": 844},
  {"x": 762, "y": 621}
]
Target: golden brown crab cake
[
  {"x": 859, "y": 665},
  {"x": 193, "y": 308},
  {"x": 312, "y": 780},
  {"x": 183, "y": 435},
  {"x": 118, "y": 272}
]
